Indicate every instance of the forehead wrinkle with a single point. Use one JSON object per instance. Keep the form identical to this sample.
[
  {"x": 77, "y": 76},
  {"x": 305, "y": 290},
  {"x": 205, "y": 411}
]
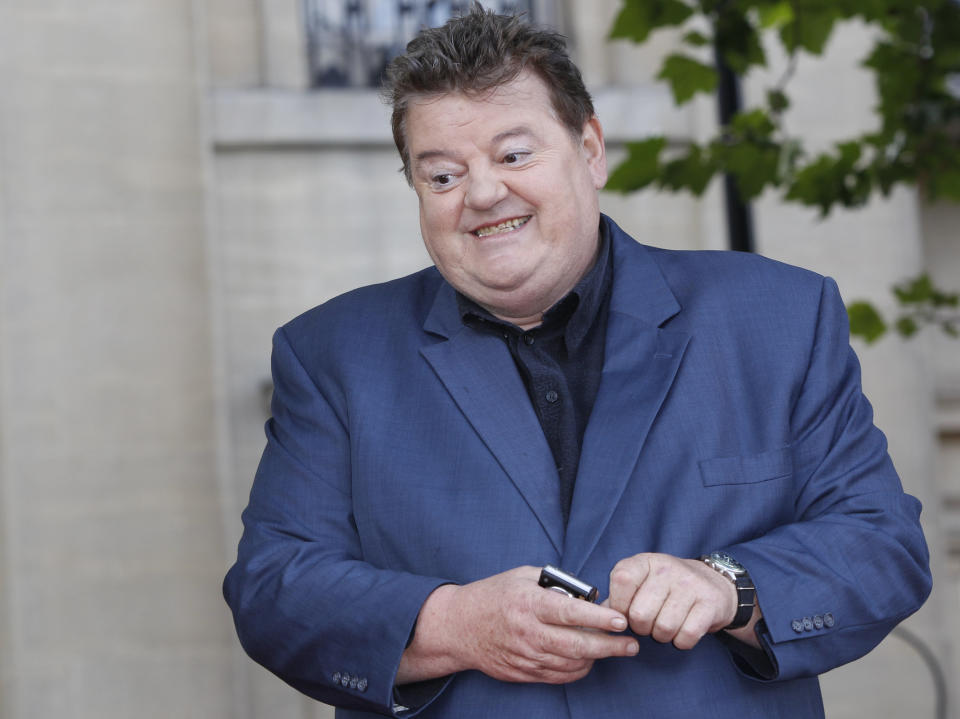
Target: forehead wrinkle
[
  {"x": 518, "y": 131},
  {"x": 513, "y": 132}
]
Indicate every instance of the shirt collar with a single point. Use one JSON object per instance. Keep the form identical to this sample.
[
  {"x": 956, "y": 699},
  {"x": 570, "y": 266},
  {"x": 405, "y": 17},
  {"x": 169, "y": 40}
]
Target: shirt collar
[{"x": 577, "y": 310}]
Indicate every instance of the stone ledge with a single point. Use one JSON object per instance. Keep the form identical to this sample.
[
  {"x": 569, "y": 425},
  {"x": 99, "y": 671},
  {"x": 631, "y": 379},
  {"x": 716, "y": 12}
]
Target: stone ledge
[{"x": 281, "y": 118}]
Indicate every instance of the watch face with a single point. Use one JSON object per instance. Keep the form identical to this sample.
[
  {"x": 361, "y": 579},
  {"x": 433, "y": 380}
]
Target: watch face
[{"x": 727, "y": 562}]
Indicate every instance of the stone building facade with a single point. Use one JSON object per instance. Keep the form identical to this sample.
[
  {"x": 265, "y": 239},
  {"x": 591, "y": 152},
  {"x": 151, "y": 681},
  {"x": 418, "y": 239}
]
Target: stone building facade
[{"x": 171, "y": 190}]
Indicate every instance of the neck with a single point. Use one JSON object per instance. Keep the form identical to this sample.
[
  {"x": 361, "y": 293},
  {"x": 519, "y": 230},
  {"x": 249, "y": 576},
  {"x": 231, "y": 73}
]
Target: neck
[{"x": 524, "y": 323}]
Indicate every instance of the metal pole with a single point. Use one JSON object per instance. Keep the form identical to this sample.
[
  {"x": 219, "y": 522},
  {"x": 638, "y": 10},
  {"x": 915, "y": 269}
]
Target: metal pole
[{"x": 739, "y": 216}]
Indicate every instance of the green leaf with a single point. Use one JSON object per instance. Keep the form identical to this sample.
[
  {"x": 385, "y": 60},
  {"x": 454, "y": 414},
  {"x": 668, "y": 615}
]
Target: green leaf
[
  {"x": 777, "y": 100},
  {"x": 687, "y": 77},
  {"x": 921, "y": 291},
  {"x": 915, "y": 291},
  {"x": 696, "y": 39},
  {"x": 738, "y": 41},
  {"x": 640, "y": 168},
  {"x": 865, "y": 322},
  {"x": 907, "y": 326},
  {"x": 755, "y": 124},
  {"x": 944, "y": 183},
  {"x": 692, "y": 172},
  {"x": 830, "y": 180},
  {"x": 753, "y": 164},
  {"x": 775, "y": 16},
  {"x": 638, "y": 18},
  {"x": 810, "y": 28},
  {"x": 850, "y": 152}
]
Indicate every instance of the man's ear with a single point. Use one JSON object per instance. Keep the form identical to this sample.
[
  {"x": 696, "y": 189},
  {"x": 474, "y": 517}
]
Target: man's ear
[{"x": 595, "y": 152}]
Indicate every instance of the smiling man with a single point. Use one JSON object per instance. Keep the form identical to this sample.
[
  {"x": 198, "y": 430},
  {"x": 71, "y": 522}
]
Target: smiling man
[
  {"x": 508, "y": 195},
  {"x": 685, "y": 431}
]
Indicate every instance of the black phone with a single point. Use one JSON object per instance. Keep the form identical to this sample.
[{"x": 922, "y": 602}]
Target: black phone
[{"x": 560, "y": 581}]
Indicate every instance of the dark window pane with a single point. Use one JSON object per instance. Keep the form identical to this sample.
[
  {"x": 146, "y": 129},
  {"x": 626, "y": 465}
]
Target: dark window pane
[{"x": 350, "y": 42}]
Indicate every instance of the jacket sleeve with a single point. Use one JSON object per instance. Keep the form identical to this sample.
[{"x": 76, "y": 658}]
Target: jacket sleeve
[
  {"x": 834, "y": 582},
  {"x": 305, "y": 603}
]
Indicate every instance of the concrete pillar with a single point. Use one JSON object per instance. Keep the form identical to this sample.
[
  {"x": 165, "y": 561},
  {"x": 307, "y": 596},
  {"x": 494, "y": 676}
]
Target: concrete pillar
[{"x": 112, "y": 541}]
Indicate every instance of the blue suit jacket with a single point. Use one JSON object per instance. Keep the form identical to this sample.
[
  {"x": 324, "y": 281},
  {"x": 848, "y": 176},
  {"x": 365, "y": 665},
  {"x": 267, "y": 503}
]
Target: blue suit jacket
[{"x": 403, "y": 453}]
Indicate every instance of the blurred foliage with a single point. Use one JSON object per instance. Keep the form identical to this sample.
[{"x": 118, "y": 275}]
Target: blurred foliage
[{"x": 915, "y": 61}]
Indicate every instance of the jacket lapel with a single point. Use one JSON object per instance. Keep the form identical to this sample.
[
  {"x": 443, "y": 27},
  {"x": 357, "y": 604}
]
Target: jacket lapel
[
  {"x": 640, "y": 363},
  {"x": 479, "y": 373}
]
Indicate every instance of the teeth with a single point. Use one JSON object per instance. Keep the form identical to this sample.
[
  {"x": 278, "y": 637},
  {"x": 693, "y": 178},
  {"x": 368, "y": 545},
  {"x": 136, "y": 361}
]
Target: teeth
[{"x": 502, "y": 227}]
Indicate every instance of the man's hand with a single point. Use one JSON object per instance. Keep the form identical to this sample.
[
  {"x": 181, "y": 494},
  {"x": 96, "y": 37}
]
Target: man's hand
[
  {"x": 511, "y": 629},
  {"x": 672, "y": 599}
]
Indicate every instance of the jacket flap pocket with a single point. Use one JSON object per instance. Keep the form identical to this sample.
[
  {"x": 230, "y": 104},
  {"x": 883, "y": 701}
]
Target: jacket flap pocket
[{"x": 747, "y": 469}]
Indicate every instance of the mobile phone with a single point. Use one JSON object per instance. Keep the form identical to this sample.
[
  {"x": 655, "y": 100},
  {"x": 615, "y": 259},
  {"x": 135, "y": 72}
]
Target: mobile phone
[{"x": 560, "y": 581}]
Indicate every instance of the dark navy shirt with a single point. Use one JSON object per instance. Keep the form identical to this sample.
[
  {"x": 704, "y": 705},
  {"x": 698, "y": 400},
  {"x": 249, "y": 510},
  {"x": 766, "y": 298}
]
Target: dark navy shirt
[{"x": 560, "y": 361}]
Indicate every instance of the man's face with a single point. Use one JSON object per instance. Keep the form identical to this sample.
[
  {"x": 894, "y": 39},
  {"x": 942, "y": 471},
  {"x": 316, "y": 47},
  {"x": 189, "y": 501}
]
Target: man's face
[{"x": 508, "y": 197}]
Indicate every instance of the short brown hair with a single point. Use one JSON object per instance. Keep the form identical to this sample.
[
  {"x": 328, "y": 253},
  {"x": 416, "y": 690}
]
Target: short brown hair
[{"x": 477, "y": 53}]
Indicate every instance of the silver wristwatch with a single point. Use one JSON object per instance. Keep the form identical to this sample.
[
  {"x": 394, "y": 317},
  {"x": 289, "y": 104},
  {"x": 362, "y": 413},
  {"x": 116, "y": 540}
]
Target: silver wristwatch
[{"x": 735, "y": 572}]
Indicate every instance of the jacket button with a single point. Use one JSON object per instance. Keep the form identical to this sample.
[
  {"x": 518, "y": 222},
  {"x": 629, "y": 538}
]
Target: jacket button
[
  {"x": 818, "y": 622},
  {"x": 807, "y": 624},
  {"x": 796, "y": 625},
  {"x": 353, "y": 682},
  {"x": 362, "y": 684},
  {"x": 336, "y": 677},
  {"x": 345, "y": 680},
  {"x": 828, "y": 620}
]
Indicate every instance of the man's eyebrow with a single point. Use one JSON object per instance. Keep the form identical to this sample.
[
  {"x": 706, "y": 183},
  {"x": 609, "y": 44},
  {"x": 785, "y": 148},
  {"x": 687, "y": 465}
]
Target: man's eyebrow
[
  {"x": 511, "y": 133},
  {"x": 519, "y": 130},
  {"x": 430, "y": 155}
]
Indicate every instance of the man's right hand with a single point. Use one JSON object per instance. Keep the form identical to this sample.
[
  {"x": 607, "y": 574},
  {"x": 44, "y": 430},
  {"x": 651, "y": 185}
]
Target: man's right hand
[{"x": 512, "y": 629}]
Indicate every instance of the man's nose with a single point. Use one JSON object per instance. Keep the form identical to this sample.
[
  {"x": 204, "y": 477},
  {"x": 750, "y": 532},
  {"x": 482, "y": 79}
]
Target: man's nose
[{"x": 485, "y": 188}]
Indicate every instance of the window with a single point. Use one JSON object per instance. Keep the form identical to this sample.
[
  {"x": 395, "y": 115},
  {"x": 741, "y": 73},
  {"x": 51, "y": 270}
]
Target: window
[{"x": 350, "y": 42}]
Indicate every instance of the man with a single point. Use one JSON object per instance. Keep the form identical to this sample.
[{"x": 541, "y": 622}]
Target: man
[{"x": 553, "y": 392}]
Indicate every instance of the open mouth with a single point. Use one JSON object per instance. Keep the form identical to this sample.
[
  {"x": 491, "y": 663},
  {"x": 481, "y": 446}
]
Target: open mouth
[{"x": 506, "y": 226}]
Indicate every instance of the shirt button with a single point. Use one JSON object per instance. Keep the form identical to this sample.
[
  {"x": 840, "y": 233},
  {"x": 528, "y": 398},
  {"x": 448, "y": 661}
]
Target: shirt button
[
  {"x": 528, "y": 339},
  {"x": 551, "y": 396}
]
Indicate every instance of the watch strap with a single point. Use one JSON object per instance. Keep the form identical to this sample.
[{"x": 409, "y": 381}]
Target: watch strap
[{"x": 746, "y": 601}]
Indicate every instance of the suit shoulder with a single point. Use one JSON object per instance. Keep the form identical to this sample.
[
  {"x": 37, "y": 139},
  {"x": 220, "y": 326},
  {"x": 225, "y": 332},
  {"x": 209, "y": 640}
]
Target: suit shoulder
[
  {"x": 736, "y": 278},
  {"x": 367, "y": 312},
  {"x": 727, "y": 265}
]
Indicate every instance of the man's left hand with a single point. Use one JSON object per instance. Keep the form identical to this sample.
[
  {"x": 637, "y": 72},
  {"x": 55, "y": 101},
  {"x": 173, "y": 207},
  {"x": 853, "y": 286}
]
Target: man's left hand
[{"x": 671, "y": 599}]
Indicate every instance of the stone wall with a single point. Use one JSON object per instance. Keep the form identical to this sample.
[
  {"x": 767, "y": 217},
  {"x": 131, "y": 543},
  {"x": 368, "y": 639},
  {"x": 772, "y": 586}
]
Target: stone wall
[{"x": 169, "y": 194}]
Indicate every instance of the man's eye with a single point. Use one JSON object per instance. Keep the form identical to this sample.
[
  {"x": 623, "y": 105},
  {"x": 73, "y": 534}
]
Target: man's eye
[
  {"x": 512, "y": 158},
  {"x": 442, "y": 180}
]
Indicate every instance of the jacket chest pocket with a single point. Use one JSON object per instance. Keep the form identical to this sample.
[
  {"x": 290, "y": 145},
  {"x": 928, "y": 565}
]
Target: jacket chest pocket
[{"x": 747, "y": 469}]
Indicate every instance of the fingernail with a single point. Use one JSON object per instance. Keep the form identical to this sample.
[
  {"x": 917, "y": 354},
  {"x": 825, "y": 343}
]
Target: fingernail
[
  {"x": 619, "y": 623},
  {"x": 633, "y": 648}
]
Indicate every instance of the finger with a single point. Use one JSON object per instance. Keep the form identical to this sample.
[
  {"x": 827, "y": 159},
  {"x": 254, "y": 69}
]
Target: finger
[
  {"x": 538, "y": 668},
  {"x": 646, "y": 606},
  {"x": 557, "y": 609},
  {"x": 671, "y": 617},
  {"x": 581, "y": 644},
  {"x": 627, "y": 576},
  {"x": 548, "y": 676},
  {"x": 695, "y": 626}
]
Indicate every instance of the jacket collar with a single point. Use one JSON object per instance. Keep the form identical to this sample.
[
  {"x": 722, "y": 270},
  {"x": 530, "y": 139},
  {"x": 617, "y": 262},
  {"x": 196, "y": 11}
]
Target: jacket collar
[
  {"x": 641, "y": 292},
  {"x": 640, "y": 363}
]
